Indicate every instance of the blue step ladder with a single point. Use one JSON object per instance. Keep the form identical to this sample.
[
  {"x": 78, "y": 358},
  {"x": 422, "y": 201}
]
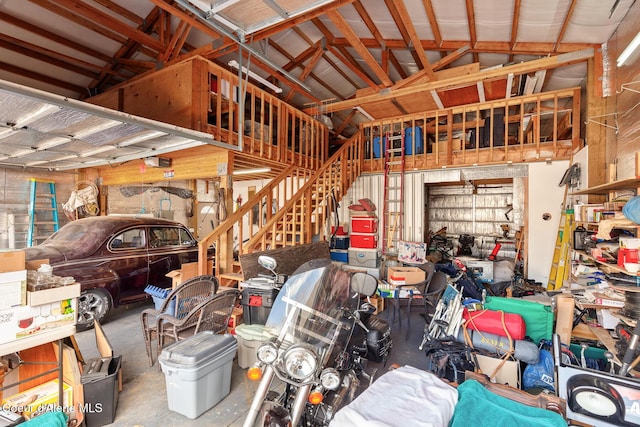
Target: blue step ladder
[{"x": 43, "y": 217}]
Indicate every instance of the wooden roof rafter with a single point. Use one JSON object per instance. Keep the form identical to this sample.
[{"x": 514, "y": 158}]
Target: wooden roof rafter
[
  {"x": 471, "y": 20},
  {"x": 126, "y": 51},
  {"x": 355, "y": 42},
  {"x": 565, "y": 22},
  {"x": 371, "y": 26},
  {"x": 404, "y": 22},
  {"x": 464, "y": 80},
  {"x": 514, "y": 28}
]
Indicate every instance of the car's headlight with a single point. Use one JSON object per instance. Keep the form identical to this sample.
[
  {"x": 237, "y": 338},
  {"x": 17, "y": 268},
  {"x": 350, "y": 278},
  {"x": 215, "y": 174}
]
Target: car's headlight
[
  {"x": 300, "y": 362},
  {"x": 330, "y": 379},
  {"x": 267, "y": 353}
]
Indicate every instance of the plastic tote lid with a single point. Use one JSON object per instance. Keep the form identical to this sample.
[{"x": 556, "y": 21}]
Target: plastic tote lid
[
  {"x": 250, "y": 332},
  {"x": 199, "y": 347}
]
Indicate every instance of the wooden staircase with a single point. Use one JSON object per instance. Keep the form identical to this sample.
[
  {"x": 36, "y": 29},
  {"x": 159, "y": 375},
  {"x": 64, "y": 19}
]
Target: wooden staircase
[{"x": 301, "y": 218}]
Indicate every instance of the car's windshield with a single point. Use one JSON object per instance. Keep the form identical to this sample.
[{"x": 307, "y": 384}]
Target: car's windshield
[{"x": 310, "y": 306}]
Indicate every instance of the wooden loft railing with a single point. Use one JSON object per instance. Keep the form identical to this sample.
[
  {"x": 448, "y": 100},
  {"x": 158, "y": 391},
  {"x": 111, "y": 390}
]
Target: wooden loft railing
[
  {"x": 304, "y": 217},
  {"x": 525, "y": 128},
  {"x": 271, "y": 128},
  {"x": 254, "y": 214},
  {"x": 198, "y": 94}
]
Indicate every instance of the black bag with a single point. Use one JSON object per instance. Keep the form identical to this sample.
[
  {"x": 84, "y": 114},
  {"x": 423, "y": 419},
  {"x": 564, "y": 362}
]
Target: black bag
[{"x": 449, "y": 359}]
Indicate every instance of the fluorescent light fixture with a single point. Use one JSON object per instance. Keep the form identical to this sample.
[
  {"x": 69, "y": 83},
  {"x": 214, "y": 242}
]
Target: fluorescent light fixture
[
  {"x": 628, "y": 51},
  {"x": 251, "y": 171},
  {"x": 255, "y": 76},
  {"x": 98, "y": 150},
  {"x": 364, "y": 113}
]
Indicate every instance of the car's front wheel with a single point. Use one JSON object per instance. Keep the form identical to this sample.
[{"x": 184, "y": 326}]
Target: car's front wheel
[{"x": 93, "y": 305}]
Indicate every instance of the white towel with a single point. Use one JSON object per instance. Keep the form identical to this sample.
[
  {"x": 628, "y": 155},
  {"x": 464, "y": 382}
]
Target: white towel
[{"x": 402, "y": 397}]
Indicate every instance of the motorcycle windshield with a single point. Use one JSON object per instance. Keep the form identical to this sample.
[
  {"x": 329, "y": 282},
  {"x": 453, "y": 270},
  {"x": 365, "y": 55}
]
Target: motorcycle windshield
[{"x": 310, "y": 306}]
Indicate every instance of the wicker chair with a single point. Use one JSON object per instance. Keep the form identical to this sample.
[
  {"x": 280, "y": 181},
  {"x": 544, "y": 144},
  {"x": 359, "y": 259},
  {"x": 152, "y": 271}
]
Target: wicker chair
[
  {"x": 178, "y": 304},
  {"x": 210, "y": 315}
]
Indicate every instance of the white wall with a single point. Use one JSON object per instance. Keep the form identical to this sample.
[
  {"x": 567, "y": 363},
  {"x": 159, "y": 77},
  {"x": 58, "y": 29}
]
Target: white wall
[{"x": 545, "y": 196}]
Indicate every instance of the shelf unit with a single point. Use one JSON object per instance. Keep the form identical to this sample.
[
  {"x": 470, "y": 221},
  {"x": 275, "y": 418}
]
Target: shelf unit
[
  {"x": 56, "y": 334},
  {"x": 608, "y": 189}
]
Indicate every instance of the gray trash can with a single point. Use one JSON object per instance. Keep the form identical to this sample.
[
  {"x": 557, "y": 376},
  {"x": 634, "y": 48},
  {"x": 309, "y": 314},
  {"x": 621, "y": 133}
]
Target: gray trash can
[
  {"x": 249, "y": 339},
  {"x": 197, "y": 372}
]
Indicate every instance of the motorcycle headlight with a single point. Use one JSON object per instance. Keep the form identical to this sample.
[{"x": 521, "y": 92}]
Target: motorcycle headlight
[
  {"x": 300, "y": 362},
  {"x": 330, "y": 379},
  {"x": 267, "y": 353}
]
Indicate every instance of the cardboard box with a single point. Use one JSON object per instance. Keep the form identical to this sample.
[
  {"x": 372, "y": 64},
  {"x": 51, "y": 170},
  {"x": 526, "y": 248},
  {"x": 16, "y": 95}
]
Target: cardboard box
[
  {"x": 40, "y": 399},
  {"x": 404, "y": 275},
  {"x": 187, "y": 271},
  {"x": 11, "y": 260},
  {"x": 26, "y": 321},
  {"x": 46, "y": 296},
  {"x": 13, "y": 289}
]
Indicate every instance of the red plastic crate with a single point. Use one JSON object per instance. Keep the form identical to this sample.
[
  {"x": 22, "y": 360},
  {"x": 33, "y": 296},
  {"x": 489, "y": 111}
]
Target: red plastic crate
[
  {"x": 364, "y": 240},
  {"x": 364, "y": 224}
]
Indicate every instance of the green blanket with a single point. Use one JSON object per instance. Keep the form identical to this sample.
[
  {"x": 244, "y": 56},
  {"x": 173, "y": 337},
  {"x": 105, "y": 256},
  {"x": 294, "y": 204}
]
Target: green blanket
[
  {"x": 479, "y": 407},
  {"x": 48, "y": 419}
]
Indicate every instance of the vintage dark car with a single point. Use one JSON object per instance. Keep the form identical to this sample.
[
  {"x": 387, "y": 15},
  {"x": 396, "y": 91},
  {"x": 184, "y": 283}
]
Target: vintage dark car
[{"x": 115, "y": 258}]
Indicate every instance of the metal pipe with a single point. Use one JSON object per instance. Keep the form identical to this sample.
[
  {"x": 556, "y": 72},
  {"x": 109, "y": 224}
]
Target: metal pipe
[{"x": 259, "y": 396}]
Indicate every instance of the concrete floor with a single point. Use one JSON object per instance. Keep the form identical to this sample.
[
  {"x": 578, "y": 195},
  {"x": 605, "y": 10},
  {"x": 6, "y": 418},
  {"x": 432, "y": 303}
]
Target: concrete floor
[{"x": 143, "y": 400}]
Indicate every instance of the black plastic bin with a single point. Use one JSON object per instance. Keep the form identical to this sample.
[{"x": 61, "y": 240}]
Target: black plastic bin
[
  {"x": 101, "y": 395},
  {"x": 256, "y": 304}
]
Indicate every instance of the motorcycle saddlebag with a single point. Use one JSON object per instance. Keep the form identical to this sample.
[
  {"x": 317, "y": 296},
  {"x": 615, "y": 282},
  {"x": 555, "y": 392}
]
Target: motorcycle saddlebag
[
  {"x": 496, "y": 322},
  {"x": 378, "y": 339}
]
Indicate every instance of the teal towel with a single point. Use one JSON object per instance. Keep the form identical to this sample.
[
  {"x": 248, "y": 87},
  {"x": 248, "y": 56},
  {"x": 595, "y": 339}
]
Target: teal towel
[
  {"x": 48, "y": 419},
  {"x": 479, "y": 407}
]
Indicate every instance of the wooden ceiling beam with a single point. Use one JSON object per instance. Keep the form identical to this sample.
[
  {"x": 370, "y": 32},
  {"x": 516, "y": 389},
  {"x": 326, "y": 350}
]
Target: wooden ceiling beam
[
  {"x": 471, "y": 22},
  {"x": 312, "y": 63},
  {"x": 520, "y": 48},
  {"x": 345, "y": 122},
  {"x": 10, "y": 68},
  {"x": 53, "y": 37},
  {"x": 371, "y": 26},
  {"x": 407, "y": 22},
  {"x": 392, "y": 5},
  {"x": 433, "y": 22},
  {"x": 342, "y": 55},
  {"x": 354, "y": 40},
  {"x": 124, "y": 12},
  {"x": 514, "y": 28},
  {"x": 435, "y": 66},
  {"x": 465, "y": 80},
  {"x": 65, "y": 13},
  {"x": 313, "y": 76},
  {"x": 108, "y": 21},
  {"x": 48, "y": 56},
  {"x": 125, "y": 52},
  {"x": 566, "y": 21}
]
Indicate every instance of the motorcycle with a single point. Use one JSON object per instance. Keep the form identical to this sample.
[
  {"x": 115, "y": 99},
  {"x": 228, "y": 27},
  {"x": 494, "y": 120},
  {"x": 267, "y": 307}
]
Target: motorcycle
[{"x": 317, "y": 341}]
